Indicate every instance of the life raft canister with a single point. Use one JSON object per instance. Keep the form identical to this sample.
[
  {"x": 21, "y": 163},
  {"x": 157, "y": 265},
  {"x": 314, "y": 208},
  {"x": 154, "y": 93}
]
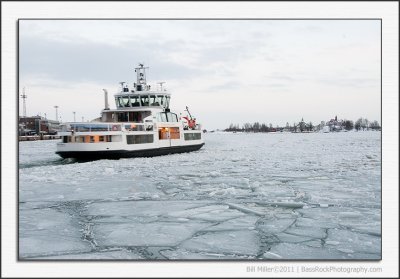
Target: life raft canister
[{"x": 115, "y": 127}]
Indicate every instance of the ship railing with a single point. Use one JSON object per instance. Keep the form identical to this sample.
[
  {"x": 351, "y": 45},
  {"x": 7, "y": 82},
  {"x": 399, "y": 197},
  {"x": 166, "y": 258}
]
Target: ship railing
[
  {"x": 105, "y": 127},
  {"x": 91, "y": 127}
]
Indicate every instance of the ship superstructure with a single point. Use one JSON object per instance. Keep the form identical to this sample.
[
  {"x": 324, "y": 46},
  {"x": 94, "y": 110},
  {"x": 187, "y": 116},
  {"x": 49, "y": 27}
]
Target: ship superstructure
[{"x": 141, "y": 125}]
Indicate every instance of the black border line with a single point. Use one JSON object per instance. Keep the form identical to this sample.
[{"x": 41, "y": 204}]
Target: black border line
[{"x": 252, "y": 261}]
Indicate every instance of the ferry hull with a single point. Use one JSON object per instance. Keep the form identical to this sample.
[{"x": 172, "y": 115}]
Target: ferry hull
[{"x": 117, "y": 154}]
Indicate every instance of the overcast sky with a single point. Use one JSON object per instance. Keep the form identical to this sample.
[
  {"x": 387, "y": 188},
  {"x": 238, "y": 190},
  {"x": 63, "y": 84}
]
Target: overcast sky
[{"x": 225, "y": 71}]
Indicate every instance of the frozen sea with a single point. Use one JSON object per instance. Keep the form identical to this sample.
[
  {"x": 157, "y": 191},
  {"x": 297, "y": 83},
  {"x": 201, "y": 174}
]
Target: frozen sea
[{"x": 275, "y": 196}]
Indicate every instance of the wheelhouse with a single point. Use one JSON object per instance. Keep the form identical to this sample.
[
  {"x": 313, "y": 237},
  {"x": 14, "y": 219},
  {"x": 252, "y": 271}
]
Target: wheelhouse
[{"x": 135, "y": 100}]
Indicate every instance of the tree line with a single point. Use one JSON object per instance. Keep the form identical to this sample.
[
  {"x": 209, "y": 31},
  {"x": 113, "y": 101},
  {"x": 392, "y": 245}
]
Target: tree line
[{"x": 334, "y": 125}]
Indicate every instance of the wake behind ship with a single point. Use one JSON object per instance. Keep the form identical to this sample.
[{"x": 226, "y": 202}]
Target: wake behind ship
[{"x": 142, "y": 125}]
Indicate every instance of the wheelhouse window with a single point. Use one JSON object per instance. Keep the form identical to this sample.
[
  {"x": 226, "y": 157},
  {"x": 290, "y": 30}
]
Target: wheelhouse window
[
  {"x": 125, "y": 101},
  {"x": 119, "y": 102},
  {"x": 154, "y": 100},
  {"x": 144, "y": 100},
  {"x": 167, "y": 98},
  {"x": 161, "y": 98},
  {"x": 135, "y": 101}
]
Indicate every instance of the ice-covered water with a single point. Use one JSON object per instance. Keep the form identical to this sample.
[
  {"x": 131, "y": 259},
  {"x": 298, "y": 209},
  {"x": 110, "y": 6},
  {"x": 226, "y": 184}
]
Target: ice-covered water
[{"x": 242, "y": 196}]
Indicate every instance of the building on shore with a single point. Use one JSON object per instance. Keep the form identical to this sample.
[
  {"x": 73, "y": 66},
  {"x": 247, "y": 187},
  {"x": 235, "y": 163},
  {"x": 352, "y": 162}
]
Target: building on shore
[{"x": 37, "y": 125}]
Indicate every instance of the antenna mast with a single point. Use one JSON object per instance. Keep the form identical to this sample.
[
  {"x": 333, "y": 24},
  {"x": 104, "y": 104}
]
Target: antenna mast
[
  {"x": 23, "y": 96},
  {"x": 141, "y": 77},
  {"x": 161, "y": 84}
]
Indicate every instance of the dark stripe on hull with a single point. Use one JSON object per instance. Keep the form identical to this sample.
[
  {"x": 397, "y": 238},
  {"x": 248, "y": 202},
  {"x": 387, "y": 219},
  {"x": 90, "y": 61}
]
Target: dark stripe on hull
[{"x": 117, "y": 154}]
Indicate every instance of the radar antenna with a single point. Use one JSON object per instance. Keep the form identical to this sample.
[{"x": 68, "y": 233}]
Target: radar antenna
[{"x": 161, "y": 85}]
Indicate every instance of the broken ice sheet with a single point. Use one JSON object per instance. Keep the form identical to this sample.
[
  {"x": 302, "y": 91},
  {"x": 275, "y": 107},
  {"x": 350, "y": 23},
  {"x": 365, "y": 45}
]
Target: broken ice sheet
[
  {"x": 182, "y": 254},
  {"x": 300, "y": 251},
  {"x": 231, "y": 242},
  {"x": 141, "y": 208},
  {"x": 116, "y": 254},
  {"x": 353, "y": 242},
  {"x": 49, "y": 232},
  {"x": 192, "y": 189},
  {"x": 147, "y": 234},
  {"x": 273, "y": 226},
  {"x": 285, "y": 237},
  {"x": 307, "y": 231},
  {"x": 241, "y": 223}
]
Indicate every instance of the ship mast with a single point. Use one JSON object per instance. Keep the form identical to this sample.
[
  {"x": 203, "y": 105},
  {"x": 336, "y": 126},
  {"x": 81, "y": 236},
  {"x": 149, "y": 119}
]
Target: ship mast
[{"x": 141, "y": 83}]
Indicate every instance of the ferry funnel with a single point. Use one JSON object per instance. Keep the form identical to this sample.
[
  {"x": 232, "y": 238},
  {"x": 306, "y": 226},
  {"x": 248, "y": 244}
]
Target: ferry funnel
[{"x": 106, "y": 106}]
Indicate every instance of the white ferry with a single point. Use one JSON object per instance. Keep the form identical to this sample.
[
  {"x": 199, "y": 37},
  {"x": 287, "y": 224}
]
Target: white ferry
[{"x": 142, "y": 125}]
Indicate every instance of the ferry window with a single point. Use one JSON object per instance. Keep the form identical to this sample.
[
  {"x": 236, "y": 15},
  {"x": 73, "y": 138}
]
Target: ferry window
[
  {"x": 119, "y": 102},
  {"x": 135, "y": 101},
  {"x": 79, "y": 139},
  {"x": 101, "y": 138},
  {"x": 122, "y": 117},
  {"x": 134, "y": 127},
  {"x": 139, "y": 139},
  {"x": 167, "y": 101},
  {"x": 108, "y": 138},
  {"x": 174, "y": 117},
  {"x": 164, "y": 117},
  {"x": 116, "y": 138},
  {"x": 174, "y": 133},
  {"x": 144, "y": 99},
  {"x": 125, "y": 101},
  {"x": 163, "y": 133},
  {"x": 99, "y": 127},
  {"x": 91, "y": 139},
  {"x": 161, "y": 99},
  {"x": 81, "y": 128},
  {"x": 137, "y": 116},
  {"x": 154, "y": 100},
  {"x": 65, "y": 139},
  {"x": 192, "y": 136}
]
